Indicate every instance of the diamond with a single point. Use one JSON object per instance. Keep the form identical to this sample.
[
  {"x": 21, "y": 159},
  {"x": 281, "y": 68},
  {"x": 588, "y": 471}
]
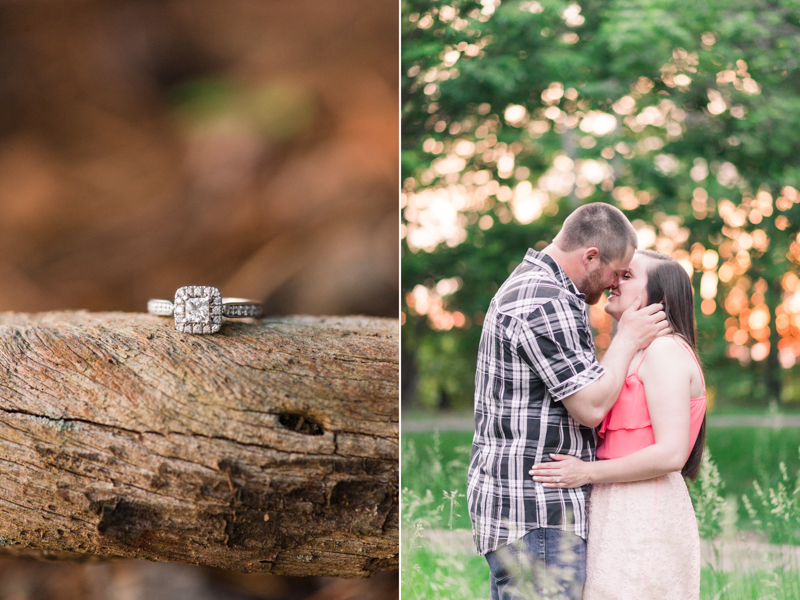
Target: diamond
[
  {"x": 194, "y": 309},
  {"x": 197, "y": 310}
]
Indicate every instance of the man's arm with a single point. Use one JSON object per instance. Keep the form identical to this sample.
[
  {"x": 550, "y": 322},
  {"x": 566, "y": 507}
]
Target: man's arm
[{"x": 638, "y": 327}]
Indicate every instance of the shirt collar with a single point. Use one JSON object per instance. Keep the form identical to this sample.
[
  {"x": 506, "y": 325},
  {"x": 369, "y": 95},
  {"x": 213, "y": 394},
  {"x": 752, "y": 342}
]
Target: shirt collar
[{"x": 545, "y": 261}]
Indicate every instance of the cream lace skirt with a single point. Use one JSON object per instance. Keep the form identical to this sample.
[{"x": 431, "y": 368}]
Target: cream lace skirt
[{"x": 643, "y": 542}]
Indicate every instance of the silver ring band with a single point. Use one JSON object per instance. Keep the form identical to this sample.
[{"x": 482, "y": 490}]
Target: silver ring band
[
  {"x": 162, "y": 308},
  {"x": 199, "y": 309},
  {"x": 233, "y": 308},
  {"x": 240, "y": 308}
]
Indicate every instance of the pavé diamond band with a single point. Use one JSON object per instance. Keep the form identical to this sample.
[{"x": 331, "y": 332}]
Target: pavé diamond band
[{"x": 199, "y": 309}]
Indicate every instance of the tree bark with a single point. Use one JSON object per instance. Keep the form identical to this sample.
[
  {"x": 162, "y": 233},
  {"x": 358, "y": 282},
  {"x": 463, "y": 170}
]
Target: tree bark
[{"x": 270, "y": 446}]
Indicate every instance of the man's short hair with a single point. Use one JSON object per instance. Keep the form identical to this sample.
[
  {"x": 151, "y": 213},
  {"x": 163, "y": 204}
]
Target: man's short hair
[{"x": 600, "y": 225}]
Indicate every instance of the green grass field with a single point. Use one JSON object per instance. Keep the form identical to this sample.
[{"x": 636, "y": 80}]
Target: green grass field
[
  {"x": 442, "y": 576},
  {"x": 434, "y": 472},
  {"x": 451, "y": 576},
  {"x": 742, "y": 455}
]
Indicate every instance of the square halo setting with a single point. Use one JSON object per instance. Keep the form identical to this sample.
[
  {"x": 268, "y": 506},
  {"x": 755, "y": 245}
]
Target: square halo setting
[{"x": 198, "y": 309}]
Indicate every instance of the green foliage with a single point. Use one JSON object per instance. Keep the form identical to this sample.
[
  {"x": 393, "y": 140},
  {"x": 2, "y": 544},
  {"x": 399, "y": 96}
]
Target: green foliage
[
  {"x": 434, "y": 468},
  {"x": 775, "y": 583},
  {"x": 434, "y": 463},
  {"x": 428, "y": 505},
  {"x": 742, "y": 455},
  {"x": 707, "y": 499},
  {"x": 777, "y": 510},
  {"x": 438, "y": 575},
  {"x": 725, "y": 80}
]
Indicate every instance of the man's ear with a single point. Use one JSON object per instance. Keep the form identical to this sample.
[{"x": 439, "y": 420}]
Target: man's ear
[{"x": 591, "y": 258}]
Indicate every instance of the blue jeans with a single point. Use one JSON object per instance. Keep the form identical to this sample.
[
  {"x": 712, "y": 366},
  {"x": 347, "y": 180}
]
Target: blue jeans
[{"x": 544, "y": 563}]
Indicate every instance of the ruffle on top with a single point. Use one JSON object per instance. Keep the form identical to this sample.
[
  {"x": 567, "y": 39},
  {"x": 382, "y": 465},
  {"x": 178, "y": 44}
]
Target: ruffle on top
[
  {"x": 629, "y": 411},
  {"x": 627, "y": 426}
]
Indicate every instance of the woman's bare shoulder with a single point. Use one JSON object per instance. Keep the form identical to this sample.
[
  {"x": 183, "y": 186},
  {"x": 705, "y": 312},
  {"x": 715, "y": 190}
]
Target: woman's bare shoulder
[
  {"x": 669, "y": 371},
  {"x": 667, "y": 349}
]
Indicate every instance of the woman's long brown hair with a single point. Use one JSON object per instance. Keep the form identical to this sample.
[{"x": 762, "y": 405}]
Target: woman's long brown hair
[{"x": 668, "y": 283}]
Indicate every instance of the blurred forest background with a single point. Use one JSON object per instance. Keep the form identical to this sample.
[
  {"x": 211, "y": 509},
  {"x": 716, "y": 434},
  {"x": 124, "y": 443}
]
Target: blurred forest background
[
  {"x": 685, "y": 117},
  {"x": 250, "y": 145},
  {"x": 244, "y": 144}
]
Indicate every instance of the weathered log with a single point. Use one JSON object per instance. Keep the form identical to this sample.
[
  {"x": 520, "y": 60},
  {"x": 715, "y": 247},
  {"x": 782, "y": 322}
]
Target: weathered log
[{"x": 270, "y": 446}]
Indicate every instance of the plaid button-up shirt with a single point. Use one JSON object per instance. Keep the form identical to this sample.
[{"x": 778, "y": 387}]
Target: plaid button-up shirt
[{"x": 536, "y": 349}]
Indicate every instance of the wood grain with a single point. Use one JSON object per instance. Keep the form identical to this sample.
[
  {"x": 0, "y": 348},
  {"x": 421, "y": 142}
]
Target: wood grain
[{"x": 270, "y": 446}]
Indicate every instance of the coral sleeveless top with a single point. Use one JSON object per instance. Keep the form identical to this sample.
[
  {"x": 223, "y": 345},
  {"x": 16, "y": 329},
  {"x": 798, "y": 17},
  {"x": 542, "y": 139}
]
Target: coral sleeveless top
[{"x": 627, "y": 427}]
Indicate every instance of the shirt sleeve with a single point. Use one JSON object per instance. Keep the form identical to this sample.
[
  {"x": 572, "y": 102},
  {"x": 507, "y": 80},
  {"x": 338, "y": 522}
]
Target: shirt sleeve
[{"x": 556, "y": 343}]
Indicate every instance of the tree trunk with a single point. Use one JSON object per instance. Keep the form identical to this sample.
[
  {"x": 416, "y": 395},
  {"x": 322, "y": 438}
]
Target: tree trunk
[
  {"x": 270, "y": 446},
  {"x": 772, "y": 365}
]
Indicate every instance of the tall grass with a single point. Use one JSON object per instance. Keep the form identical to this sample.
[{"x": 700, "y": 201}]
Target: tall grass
[
  {"x": 439, "y": 562},
  {"x": 777, "y": 510},
  {"x": 429, "y": 573}
]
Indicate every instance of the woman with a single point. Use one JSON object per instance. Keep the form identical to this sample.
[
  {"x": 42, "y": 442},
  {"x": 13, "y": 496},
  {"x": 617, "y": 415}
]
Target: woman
[{"x": 643, "y": 541}]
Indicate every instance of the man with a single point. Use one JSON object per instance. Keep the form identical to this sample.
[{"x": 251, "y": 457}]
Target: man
[{"x": 539, "y": 389}]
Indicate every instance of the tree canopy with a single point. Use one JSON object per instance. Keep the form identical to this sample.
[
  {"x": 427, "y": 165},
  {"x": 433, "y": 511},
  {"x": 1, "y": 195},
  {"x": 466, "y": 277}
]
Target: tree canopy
[{"x": 686, "y": 117}]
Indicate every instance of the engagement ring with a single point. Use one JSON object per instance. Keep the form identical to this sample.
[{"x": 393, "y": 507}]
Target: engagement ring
[{"x": 199, "y": 309}]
